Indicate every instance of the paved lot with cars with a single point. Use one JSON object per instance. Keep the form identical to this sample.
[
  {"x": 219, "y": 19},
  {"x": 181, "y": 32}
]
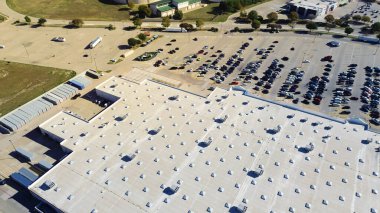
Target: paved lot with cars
[
  {"x": 317, "y": 72},
  {"x": 359, "y": 8}
]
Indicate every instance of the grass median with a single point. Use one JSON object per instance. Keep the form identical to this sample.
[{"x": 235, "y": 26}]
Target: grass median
[
  {"x": 102, "y": 10},
  {"x": 20, "y": 83},
  {"x": 212, "y": 13}
]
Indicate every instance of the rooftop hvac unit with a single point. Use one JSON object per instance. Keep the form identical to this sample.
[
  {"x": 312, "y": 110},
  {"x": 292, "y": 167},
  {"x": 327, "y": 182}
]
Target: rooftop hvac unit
[
  {"x": 48, "y": 184},
  {"x": 172, "y": 189},
  {"x": 241, "y": 208}
]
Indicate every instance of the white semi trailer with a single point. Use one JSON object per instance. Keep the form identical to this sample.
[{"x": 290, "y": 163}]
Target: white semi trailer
[{"x": 95, "y": 42}]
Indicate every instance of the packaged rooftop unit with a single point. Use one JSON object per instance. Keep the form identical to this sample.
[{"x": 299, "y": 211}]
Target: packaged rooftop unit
[{"x": 25, "y": 154}]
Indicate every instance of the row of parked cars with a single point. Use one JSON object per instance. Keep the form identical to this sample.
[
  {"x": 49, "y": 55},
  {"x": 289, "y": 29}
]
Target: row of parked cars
[
  {"x": 270, "y": 75},
  {"x": 342, "y": 94},
  {"x": 370, "y": 96},
  {"x": 291, "y": 84},
  {"x": 233, "y": 62}
]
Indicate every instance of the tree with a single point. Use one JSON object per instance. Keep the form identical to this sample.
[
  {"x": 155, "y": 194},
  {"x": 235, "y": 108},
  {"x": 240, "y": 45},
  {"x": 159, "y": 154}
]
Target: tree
[
  {"x": 243, "y": 13},
  {"x": 356, "y": 17},
  {"x": 137, "y": 22},
  {"x": 348, "y": 30},
  {"x": 199, "y": 23},
  {"x": 144, "y": 11},
  {"x": 256, "y": 24},
  {"x": 178, "y": 14},
  {"x": 366, "y": 19},
  {"x": 253, "y": 15},
  {"x": 27, "y": 19},
  {"x": 141, "y": 36},
  {"x": 375, "y": 27},
  {"x": 274, "y": 26},
  {"x": 131, "y": 4},
  {"x": 293, "y": 16},
  {"x": 165, "y": 21},
  {"x": 292, "y": 25},
  {"x": 133, "y": 42},
  {"x": 329, "y": 19},
  {"x": 111, "y": 27},
  {"x": 272, "y": 17},
  {"x": 42, "y": 21},
  {"x": 311, "y": 26},
  {"x": 77, "y": 23},
  {"x": 230, "y": 5},
  {"x": 187, "y": 26}
]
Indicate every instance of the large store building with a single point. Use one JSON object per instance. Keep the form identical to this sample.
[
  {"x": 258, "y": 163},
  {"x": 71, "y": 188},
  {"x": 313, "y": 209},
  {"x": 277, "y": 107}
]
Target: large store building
[{"x": 160, "y": 149}]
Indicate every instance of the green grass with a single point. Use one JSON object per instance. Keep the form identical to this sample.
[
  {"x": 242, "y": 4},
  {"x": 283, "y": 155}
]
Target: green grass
[
  {"x": 2, "y": 18},
  {"x": 211, "y": 13},
  {"x": 70, "y": 9},
  {"x": 208, "y": 13},
  {"x": 20, "y": 83}
]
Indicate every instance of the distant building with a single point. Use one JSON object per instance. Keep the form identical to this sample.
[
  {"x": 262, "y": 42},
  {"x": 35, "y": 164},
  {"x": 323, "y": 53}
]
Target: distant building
[
  {"x": 135, "y": 1},
  {"x": 167, "y": 7},
  {"x": 314, "y": 8}
]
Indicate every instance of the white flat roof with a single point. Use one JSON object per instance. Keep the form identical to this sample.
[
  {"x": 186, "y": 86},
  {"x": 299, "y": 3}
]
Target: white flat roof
[
  {"x": 313, "y": 4},
  {"x": 340, "y": 174}
]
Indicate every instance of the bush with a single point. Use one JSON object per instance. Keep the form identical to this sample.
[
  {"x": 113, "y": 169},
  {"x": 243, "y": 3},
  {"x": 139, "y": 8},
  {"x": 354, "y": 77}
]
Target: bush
[
  {"x": 311, "y": 26},
  {"x": 178, "y": 15},
  {"x": 144, "y": 11},
  {"x": 77, "y": 23},
  {"x": 27, "y": 19},
  {"x": 256, "y": 24},
  {"x": 375, "y": 27},
  {"x": 187, "y": 26},
  {"x": 348, "y": 30},
  {"x": 272, "y": 17},
  {"x": 133, "y": 42},
  {"x": 165, "y": 22},
  {"x": 137, "y": 22},
  {"x": 214, "y": 29},
  {"x": 253, "y": 15},
  {"x": 111, "y": 27},
  {"x": 42, "y": 21},
  {"x": 141, "y": 36}
]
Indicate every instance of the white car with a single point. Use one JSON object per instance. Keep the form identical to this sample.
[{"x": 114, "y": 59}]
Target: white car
[
  {"x": 2, "y": 46},
  {"x": 59, "y": 39},
  {"x": 306, "y": 61}
]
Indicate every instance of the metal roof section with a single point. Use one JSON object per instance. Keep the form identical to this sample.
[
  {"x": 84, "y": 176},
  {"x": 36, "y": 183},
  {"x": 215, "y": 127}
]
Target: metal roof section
[
  {"x": 24, "y": 177},
  {"x": 159, "y": 149},
  {"x": 25, "y": 113},
  {"x": 80, "y": 82}
]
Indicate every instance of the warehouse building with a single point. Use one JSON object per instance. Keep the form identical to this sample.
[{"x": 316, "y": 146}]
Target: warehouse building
[{"x": 161, "y": 149}]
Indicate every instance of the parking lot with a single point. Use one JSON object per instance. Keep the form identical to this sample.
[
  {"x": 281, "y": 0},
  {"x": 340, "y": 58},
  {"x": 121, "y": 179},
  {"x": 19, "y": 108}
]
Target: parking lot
[
  {"x": 319, "y": 77},
  {"x": 369, "y": 9}
]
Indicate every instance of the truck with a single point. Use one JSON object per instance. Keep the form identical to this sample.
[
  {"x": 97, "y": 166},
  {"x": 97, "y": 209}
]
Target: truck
[
  {"x": 369, "y": 39},
  {"x": 95, "y": 42}
]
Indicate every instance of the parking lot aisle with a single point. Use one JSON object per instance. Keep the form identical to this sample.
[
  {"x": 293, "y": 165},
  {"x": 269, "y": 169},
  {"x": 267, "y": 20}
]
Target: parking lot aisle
[
  {"x": 295, "y": 59},
  {"x": 342, "y": 57}
]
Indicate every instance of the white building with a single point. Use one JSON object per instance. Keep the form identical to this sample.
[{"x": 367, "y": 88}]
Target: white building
[
  {"x": 160, "y": 149},
  {"x": 312, "y": 8},
  {"x": 167, "y": 7}
]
